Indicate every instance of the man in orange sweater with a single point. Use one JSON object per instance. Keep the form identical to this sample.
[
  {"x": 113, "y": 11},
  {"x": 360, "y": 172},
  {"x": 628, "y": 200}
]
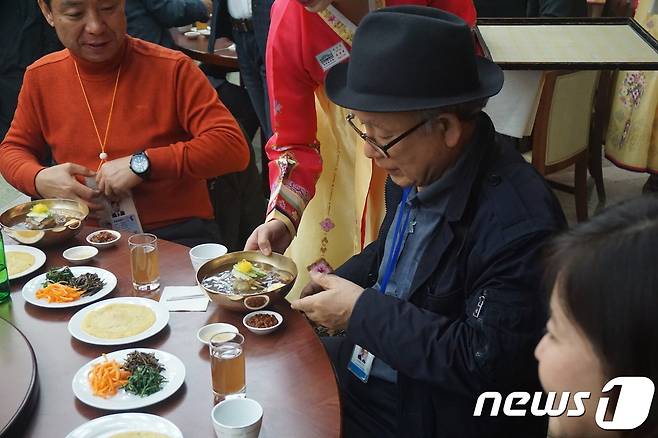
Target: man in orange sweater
[{"x": 141, "y": 120}]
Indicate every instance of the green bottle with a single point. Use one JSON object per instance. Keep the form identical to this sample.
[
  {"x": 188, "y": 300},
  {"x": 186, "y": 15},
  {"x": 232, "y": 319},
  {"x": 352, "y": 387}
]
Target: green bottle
[{"x": 4, "y": 274}]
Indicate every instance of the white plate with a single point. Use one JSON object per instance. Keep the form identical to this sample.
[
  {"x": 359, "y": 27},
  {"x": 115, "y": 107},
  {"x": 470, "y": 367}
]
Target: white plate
[
  {"x": 110, "y": 425},
  {"x": 39, "y": 259},
  {"x": 161, "y": 320},
  {"x": 31, "y": 287},
  {"x": 174, "y": 372}
]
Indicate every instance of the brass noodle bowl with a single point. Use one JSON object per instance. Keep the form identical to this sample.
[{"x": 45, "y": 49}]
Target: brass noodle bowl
[
  {"x": 237, "y": 301},
  {"x": 11, "y": 220}
]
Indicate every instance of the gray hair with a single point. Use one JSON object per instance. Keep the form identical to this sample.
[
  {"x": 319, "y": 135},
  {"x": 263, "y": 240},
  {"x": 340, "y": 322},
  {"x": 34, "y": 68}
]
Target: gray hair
[{"x": 464, "y": 111}]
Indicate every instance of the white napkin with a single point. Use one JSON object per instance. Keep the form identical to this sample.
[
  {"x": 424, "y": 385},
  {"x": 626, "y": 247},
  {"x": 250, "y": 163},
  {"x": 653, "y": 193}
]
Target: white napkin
[{"x": 198, "y": 304}]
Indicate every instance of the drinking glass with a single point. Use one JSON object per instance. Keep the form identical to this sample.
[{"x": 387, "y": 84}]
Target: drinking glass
[
  {"x": 144, "y": 262},
  {"x": 227, "y": 365}
]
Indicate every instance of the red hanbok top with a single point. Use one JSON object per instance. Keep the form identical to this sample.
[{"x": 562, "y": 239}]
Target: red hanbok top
[{"x": 297, "y": 39}]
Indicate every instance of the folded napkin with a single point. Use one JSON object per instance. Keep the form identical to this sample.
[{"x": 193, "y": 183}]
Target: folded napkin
[{"x": 197, "y": 304}]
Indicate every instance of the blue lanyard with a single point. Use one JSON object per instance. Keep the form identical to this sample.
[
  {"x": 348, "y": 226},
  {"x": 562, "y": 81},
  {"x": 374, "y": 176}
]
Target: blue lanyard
[{"x": 398, "y": 237}]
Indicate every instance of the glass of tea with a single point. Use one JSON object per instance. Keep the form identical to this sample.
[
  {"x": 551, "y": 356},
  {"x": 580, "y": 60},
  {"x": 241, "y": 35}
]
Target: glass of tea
[
  {"x": 144, "y": 262},
  {"x": 227, "y": 365}
]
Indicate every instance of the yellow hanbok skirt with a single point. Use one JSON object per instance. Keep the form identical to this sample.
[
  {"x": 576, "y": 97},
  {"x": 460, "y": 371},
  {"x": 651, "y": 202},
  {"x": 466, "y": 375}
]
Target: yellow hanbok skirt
[
  {"x": 632, "y": 137},
  {"x": 348, "y": 206}
]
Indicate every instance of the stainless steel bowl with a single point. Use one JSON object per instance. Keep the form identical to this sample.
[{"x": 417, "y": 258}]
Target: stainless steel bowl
[
  {"x": 11, "y": 221},
  {"x": 236, "y": 301}
]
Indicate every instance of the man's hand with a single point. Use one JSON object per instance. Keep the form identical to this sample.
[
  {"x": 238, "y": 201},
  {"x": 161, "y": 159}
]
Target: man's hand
[
  {"x": 331, "y": 308},
  {"x": 311, "y": 288},
  {"x": 59, "y": 182},
  {"x": 115, "y": 179},
  {"x": 270, "y": 236}
]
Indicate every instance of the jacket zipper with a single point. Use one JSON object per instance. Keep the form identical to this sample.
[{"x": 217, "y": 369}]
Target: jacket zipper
[{"x": 478, "y": 308}]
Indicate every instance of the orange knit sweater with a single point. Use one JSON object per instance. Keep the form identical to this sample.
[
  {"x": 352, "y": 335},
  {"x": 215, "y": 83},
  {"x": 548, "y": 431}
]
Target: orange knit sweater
[{"x": 164, "y": 105}]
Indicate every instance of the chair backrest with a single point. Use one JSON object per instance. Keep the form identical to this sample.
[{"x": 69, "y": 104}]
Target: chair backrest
[{"x": 563, "y": 119}]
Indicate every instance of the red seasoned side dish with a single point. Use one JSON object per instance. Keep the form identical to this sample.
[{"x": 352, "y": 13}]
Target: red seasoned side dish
[
  {"x": 262, "y": 320},
  {"x": 103, "y": 237}
]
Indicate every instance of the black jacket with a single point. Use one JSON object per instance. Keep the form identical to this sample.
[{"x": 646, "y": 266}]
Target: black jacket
[
  {"x": 531, "y": 8},
  {"x": 150, "y": 20},
  {"x": 25, "y": 37},
  {"x": 477, "y": 308}
]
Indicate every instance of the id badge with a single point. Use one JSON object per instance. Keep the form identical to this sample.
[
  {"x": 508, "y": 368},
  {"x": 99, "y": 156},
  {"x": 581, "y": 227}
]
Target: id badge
[
  {"x": 124, "y": 216},
  {"x": 120, "y": 216},
  {"x": 361, "y": 363}
]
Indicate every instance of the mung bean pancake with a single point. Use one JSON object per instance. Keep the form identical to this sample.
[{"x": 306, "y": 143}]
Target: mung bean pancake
[
  {"x": 18, "y": 261},
  {"x": 118, "y": 320}
]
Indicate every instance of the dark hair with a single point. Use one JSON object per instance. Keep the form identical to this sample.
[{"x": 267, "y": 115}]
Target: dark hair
[{"x": 607, "y": 276}]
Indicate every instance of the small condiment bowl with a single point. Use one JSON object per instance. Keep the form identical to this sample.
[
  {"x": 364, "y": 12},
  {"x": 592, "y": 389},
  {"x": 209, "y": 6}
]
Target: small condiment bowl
[
  {"x": 78, "y": 255},
  {"x": 103, "y": 245},
  {"x": 192, "y": 34},
  {"x": 208, "y": 331},
  {"x": 266, "y": 330},
  {"x": 253, "y": 302}
]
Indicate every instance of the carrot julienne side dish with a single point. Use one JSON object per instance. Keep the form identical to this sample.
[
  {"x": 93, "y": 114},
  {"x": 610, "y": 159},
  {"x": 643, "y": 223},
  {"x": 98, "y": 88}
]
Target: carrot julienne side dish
[
  {"x": 105, "y": 378},
  {"x": 59, "y": 293}
]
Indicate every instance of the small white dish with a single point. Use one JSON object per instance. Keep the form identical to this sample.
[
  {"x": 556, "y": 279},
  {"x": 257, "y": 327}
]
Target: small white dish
[
  {"x": 39, "y": 259},
  {"x": 30, "y": 289},
  {"x": 161, "y": 321},
  {"x": 174, "y": 373},
  {"x": 205, "y": 252},
  {"x": 103, "y": 245},
  {"x": 266, "y": 330},
  {"x": 80, "y": 254},
  {"x": 204, "y": 32},
  {"x": 111, "y": 425},
  {"x": 254, "y": 302},
  {"x": 192, "y": 34},
  {"x": 208, "y": 331}
]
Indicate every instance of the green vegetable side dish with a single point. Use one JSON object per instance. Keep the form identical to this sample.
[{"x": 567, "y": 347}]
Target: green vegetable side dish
[
  {"x": 61, "y": 275},
  {"x": 146, "y": 377},
  {"x": 88, "y": 283},
  {"x": 145, "y": 381}
]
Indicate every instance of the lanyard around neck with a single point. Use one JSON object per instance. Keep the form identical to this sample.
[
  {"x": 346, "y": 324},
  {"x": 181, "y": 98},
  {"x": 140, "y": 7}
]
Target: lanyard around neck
[
  {"x": 398, "y": 237},
  {"x": 102, "y": 143}
]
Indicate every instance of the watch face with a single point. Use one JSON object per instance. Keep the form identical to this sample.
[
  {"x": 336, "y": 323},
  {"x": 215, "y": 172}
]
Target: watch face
[{"x": 139, "y": 163}]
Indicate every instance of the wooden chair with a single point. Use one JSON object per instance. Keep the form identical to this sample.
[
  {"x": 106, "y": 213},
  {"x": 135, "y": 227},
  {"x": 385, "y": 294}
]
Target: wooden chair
[
  {"x": 603, "y": 104},
  {"x": 560, "y": 137}
]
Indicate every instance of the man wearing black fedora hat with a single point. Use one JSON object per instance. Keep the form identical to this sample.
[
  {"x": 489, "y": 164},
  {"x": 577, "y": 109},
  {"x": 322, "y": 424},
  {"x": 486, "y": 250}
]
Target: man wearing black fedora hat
[{"x": 447, "y": 303}]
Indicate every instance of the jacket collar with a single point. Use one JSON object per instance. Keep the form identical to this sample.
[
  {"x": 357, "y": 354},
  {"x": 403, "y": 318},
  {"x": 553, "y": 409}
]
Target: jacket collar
[
  {"x": 480, "y": 147},
  {"x": 467, "y": 180}
]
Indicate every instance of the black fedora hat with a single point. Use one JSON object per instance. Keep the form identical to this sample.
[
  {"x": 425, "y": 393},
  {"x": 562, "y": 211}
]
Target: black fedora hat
[{"x": 410, "y": 58}]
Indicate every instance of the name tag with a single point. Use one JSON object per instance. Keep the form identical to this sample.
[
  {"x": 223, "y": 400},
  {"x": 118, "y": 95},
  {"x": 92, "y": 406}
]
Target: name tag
[
  {"x": 361, "y": 363},
  {"x": 332, "y": 56},
  {"x": 120, "y": 216}
]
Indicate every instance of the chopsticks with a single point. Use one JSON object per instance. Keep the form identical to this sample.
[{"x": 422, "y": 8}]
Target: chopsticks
[{"x": 185, "y": 297}]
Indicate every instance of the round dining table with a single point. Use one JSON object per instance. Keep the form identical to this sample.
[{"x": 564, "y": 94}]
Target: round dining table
[
  {"x": 223, "y": 57},
  {"x": 288, "y": 372}
]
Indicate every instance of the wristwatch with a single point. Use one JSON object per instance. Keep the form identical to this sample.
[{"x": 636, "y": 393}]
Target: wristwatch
[{"x": 140, "y": 164}]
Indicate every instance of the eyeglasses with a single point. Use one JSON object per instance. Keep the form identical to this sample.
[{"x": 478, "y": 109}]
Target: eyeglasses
[{"x": 383, "y": 149}]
